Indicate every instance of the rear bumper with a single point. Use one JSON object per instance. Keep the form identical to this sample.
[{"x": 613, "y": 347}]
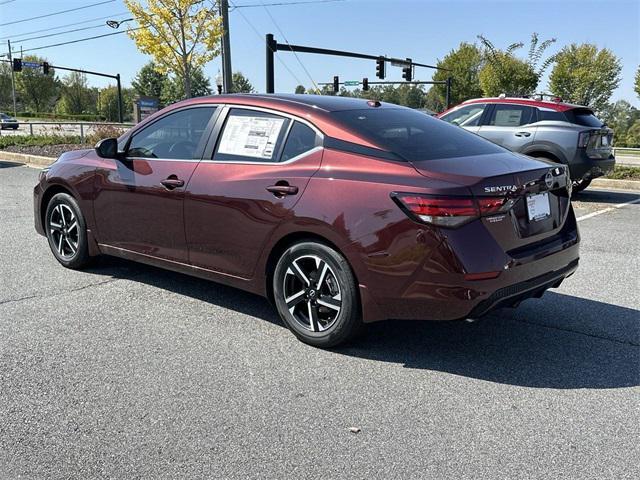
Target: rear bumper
[
  {"x": 583, "y": 166},
  {"x": 512, "y": 295}
]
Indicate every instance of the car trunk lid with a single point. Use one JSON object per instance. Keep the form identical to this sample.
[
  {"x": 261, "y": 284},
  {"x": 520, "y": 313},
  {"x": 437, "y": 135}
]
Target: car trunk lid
[{"x": 535, "y": 190}]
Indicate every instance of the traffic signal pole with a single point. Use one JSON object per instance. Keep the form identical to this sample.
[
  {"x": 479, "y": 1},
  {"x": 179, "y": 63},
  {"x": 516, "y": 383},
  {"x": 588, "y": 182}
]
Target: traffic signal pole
[
  {"x": 13, "y": 81},
  {"x": 273, "y": 46}
]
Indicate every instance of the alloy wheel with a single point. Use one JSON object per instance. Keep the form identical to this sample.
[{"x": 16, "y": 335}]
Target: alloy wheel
[
  {"x": 312, "y": 293},
  {"x": 64, "y": 230}
]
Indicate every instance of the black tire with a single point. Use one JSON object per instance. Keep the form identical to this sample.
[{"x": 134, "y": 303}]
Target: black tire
[
  {"x": 580, "y": 185},
  {"x": 314, "y": 319},
  {"x": 63, "y": 236}
]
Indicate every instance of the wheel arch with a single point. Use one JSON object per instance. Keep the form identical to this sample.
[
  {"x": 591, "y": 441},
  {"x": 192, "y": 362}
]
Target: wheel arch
[
  {"x": 287, "y": 241},
  {"x": 547, "y": 151},
  {"x": 48, "y": 194}
]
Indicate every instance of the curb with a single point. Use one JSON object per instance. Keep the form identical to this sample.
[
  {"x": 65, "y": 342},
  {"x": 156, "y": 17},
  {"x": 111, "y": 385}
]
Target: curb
[
  {"x": 38, "y": 161},
  {"x": 616, "y": 184},
  {"x": 32, "y": 160}
]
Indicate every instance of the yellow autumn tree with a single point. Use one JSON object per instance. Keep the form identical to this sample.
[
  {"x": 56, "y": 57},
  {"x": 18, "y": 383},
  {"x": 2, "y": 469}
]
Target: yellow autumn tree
[{"x": 180, "y": 35}]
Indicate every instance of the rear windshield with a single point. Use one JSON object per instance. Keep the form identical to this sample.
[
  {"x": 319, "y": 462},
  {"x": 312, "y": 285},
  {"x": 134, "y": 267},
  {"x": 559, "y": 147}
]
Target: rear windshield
[
  {"x": 583, "y": 116},
  {"x": 414, "y": 135}
]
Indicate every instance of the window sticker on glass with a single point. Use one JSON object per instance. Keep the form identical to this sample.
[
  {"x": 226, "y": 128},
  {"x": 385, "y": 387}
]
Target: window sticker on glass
[
  {"x": 251, "y": 136},
  {"x": 508, "y": 117}
]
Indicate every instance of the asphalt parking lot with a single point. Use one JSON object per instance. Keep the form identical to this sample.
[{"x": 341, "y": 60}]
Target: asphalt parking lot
[{"x": 127, "y": 371}]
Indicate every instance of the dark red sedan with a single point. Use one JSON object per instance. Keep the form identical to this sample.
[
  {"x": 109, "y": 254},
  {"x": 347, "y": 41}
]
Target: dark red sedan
[{"x": 341, "y": 211}]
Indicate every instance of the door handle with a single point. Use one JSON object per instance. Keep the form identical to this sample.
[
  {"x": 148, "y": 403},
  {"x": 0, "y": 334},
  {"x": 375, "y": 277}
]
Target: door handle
[
  {"x": 172, "y": 182},
  {"x": 523, "y": 134},
  {"x": 282, "y": 190}
]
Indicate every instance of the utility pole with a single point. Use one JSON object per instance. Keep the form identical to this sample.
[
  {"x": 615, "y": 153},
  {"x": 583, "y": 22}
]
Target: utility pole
[
  {"x": 226, "y": 47},
  {"x": 13, "y": 80}
]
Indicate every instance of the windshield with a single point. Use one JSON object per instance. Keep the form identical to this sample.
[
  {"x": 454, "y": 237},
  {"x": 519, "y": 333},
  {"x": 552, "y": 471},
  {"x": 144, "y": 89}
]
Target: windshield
[
  {"x": 584, "y": 117},
  {"x": 414, "y": 135}
]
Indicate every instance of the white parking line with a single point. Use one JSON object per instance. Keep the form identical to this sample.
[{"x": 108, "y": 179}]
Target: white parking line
[{"x": 605, "y": 210}]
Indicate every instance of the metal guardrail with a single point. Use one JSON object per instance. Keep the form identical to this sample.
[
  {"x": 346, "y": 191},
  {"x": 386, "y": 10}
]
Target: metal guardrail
[
  {"x": 50, "y": 127},
  {"x": 622, "y": 150}
]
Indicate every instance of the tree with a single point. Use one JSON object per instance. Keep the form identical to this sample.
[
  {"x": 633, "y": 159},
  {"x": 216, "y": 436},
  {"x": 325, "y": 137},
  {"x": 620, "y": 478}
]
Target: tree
[
  {"x": 180, "y": 35},
  {"x": 173, "y": 87},
  {"x": 620, "y": 116},
  {"x": 108, "y": 103},
  {"x": 300, "y": 89},
  {"x": 585, "y": 75},
  {"x": 509, "y": 75},
  {"x": 633, "y": 135},
  {"x": 37, "y": 90},
  {"x": 77, "y": 98},
  {"x": 241, "y": 84},
  {"x": 6, "y": 97},
  {"x": 463, "y": 66},
  {"x": 504, "y": 73},
  {"x": 636, "y": 86},
  {"x": 148, "y": 81}
]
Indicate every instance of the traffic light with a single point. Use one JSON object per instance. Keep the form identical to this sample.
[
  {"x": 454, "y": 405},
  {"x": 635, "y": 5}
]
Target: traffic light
[
  {"x": 365, "y": 84},
  {"x": 45, "y": 68},
  {"x": 380, "y": 64},
  {"x": 17, "y": 64},
  {"x": 336, "y": 84},
  {"x": 407, "y": 70}
]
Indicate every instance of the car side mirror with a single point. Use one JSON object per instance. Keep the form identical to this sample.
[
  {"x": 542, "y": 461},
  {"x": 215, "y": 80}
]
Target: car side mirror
[{"x": 107, "y": 148}]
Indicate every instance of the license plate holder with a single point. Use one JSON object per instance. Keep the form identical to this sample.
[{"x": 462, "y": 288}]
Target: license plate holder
[{"x": 538, "y": 206}]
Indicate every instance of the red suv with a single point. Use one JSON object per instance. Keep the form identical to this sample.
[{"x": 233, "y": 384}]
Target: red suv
[
  {"x": 340, "y": 210},
  {"x": 553, "y": 130}
]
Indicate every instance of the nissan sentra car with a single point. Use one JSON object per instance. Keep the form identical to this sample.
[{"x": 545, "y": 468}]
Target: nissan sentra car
[{"x": 341, "y": 211}]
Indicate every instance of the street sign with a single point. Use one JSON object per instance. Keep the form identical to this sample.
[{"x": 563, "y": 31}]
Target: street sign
[
  {"x": 31, "y": 64},
  {"x": 399, "y": 64},
  {"x": 352, "y": 83}
]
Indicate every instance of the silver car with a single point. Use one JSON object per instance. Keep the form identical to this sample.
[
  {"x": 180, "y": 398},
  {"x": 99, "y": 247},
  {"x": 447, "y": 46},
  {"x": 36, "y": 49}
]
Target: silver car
[{"x": 557, "y": 131}]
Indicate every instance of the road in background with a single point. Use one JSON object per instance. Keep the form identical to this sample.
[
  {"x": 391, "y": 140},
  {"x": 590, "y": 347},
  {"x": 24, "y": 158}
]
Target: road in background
[{"x": 128, "y": 371}]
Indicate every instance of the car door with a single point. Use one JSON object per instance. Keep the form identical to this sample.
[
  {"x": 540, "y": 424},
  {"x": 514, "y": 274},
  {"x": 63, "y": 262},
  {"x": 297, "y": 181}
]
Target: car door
[
  {"x": 512, "y": 126},
  {"x": 254, "y": 172},
  {"x": 139, "y": 201},
  {"x": 467, "y": 116}
]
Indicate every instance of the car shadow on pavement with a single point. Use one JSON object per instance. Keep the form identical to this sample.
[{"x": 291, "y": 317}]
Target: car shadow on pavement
[
  {"x": 559, "y": 341},
  {"x": 10, "y": 164},
  {"x": 605, "y": 196}
]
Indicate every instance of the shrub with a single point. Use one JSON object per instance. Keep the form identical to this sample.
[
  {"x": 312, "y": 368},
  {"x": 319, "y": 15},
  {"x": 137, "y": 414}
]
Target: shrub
[{"x": 103, "y": 131}]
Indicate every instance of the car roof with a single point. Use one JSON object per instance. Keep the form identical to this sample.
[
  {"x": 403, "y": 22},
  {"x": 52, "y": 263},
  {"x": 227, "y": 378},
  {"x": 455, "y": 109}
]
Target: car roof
[
  {"x": 316, "y": 109},
  {"x": 552, "y": 105}
]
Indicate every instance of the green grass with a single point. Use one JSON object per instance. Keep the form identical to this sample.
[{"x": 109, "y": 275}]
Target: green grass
[
  {"x": 625, "y": 173},
  {"x": 41, "y": 140}
]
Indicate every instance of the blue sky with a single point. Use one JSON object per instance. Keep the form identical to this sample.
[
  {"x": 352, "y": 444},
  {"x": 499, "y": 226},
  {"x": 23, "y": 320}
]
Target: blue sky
[{"x": 422, "y": 30}]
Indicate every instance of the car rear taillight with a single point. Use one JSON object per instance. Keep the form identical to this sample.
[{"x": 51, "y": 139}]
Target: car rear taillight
[
  {"x": 583, "y": 139},
  {"x": 449, "y": 211}
]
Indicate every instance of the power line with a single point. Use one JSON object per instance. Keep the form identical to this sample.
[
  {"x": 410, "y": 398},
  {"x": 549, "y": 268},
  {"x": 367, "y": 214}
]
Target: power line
[
  {"x": 22, "y": 40},
  {"x": 56, "y": 13},
  {"x": 77, "y": 41},
  {"x": 6, "y": 1},
  {"x": 292, "y": 51},
  {"x": 82, "y": 22},
  {"x": 279, "y": 4},
  {"x": 261, "y": 39}
]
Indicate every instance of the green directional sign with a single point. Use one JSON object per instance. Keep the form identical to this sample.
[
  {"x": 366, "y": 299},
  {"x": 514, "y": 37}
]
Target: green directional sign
[{"x": 352, "y": 83}]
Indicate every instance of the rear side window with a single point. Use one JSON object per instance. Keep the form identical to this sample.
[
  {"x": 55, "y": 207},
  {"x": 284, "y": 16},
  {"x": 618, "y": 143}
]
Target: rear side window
[
  {"x": 175, "y": 136},
  {"x": 301, "y": 139},
  {"x": 468, "y": 116},
  {"x": 413, "y": 135},
  {"x": 584, "y": 117},
  {"x": 552, "y": 115},
  {"x": 511, "y": 115},
  {"x": 251, "y": 136}
]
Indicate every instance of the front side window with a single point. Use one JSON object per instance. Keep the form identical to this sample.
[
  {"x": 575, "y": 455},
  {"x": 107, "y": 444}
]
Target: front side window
[
  {"x": 251, "y": 136},
  {"x": 413, "y": 135},
  {"x": 467, "y": 116},
  {"x": 511, "y": 115},
  {"x": 175, "y": 136}
]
